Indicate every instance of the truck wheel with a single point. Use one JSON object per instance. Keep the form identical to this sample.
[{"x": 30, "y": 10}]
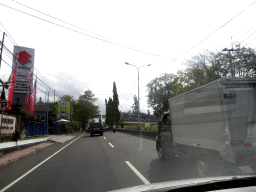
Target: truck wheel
[{"x": 161, "y": 153}]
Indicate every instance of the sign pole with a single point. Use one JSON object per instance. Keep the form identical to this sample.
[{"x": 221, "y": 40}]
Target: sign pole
[{"x": 1, "y": 126}]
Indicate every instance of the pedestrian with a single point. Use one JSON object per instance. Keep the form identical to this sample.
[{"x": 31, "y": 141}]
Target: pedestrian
[{"x": 16, "y": 137}]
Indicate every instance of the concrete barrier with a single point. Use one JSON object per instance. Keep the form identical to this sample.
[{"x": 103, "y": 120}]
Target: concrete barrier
[
  {"x": 145, "y": 134},
  {"x": 9, "y": 145}
]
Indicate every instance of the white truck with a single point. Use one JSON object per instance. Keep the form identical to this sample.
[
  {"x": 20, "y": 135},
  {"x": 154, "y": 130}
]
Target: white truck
[{"x": 213, "y": 125}]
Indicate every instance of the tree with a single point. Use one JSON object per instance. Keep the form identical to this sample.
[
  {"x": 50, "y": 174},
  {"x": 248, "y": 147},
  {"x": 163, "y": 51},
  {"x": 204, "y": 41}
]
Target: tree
[
  {"x": 85, "y": 108},
  {"x": 201, "y": 69},
  {"x": 239, "y": 63},
  {"x": 135, "y": 104},
  {"x": 116, "y": 112},
  {"x": 112, "y": 111},
  {"x": 160, "y": 90},
  {"x": 67, "y": 97}
]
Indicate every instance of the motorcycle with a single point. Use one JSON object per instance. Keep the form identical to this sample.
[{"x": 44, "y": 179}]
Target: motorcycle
[{"x": 114, "y": 130}]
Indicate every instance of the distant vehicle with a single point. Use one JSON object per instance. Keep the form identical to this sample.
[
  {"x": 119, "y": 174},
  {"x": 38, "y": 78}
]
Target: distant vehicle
[
  {"x": 213, "y": 124},
  {"x": 96, "y": 128},
  {"x": 106, "y": 127}
]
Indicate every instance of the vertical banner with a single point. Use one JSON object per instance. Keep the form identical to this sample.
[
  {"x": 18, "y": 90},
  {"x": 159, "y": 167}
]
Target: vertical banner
[
  {"x": 28, "y": 94},
  {"x": 33, "y": 101},
  {"x": 25, "y": 66},
  {"x": 65, "y": 109},
  {"x": 11, "y": 86}
]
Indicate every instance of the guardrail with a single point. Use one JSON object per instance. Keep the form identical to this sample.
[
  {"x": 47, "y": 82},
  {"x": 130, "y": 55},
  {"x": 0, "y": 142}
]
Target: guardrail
[
  {"x": 11, "y": 145},
  {"x": 146, "y": 134}
]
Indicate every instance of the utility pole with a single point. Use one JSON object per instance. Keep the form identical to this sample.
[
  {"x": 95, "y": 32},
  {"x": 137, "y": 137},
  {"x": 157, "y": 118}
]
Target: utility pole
[
  {"x": 47, "y": 115},
  {"x": 2, "y": 45},
  {"x": 231, "y": 63},
  {"x": 54, "y": 95}
]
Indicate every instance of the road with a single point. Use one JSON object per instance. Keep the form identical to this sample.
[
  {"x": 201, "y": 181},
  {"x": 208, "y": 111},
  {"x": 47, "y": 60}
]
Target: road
[{"x": 99, "y": 163}]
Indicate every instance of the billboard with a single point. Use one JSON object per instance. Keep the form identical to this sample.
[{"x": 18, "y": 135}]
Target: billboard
[
  {"x": 25, "y": 65},
  {"x": 65, "y": 107}
]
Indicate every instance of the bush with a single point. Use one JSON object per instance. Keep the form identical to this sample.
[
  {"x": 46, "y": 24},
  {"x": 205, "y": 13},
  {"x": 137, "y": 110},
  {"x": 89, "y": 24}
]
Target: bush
[
  {"x": 24, "y": 113},
  {"x": 74, "y": 127},
  {"x": 135, "y": 126}
]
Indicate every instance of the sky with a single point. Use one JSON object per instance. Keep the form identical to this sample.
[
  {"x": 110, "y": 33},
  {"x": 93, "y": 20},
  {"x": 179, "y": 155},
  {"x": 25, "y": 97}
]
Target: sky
[{"x": 103, "y": 35}]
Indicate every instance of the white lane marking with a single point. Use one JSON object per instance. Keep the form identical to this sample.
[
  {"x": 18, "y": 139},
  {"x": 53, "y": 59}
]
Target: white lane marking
[
  {"x": 111, "y": 145},
  {"x": 24, "y": 175},
  {"x": 104, "y": 137},
  {"x": 137, "y": 173}
]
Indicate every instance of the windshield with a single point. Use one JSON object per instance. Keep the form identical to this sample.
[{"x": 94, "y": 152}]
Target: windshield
[{"x": 127, "y": 93}]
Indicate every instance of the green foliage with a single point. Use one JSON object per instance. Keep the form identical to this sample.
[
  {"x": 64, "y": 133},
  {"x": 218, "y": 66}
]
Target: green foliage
[
  {"x": 122, "y": 122},
  {"x": 135, "y": 104},
  {"x": 201, "y": 69},
  {"x": 112, "y": 111},
  {"x": 152, "y": 127},
  {"x": 74, "y": 126},
  {"x": 161, "y": 89},
  {"x": 24, "y": 113},
  {"x": 116, "y": 112},
  {"x": 67, "y": 97},
  {"x": 85, "y": 108},
  {"x": 54, "y": 106},
  {"x": 109, "y": 112}
]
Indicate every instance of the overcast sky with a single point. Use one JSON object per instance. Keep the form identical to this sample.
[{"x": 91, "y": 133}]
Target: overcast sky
[{"x": 161, "y": 33}]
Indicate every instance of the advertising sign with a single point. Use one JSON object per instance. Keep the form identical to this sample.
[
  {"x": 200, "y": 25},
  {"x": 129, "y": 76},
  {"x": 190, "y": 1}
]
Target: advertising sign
[
  {"x": 65, "y": 109},
  {"x": 8, "y": 124},
  {"x": 25, "y": 64}
]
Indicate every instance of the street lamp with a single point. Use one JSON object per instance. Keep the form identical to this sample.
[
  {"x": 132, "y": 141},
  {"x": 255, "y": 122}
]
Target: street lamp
[{"x": 138, "y": 69}]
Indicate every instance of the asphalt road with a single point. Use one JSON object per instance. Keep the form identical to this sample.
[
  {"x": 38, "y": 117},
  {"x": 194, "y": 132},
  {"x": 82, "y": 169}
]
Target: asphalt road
[{"x": 100, "y": 163}]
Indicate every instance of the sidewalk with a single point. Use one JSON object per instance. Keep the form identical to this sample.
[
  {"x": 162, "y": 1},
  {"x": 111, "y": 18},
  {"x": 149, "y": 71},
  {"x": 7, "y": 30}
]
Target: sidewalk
[{"x": 18, "y": 154}]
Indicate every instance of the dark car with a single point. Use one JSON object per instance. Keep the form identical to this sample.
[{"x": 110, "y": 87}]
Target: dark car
[{"x": 96, "y": 128}]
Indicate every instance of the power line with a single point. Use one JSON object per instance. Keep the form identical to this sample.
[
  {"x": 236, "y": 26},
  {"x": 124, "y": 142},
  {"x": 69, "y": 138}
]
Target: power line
[
  {"x": 57, "y": 19},
  {"x": 215, "y": 31},
  {"x": 104, "y": 40},
  {"x": 14, "y": 56},
  {"x": 41, "y": 84}
]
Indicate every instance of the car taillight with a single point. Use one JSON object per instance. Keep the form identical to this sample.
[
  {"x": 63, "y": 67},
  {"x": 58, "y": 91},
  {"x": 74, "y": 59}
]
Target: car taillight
[
  {"x": 101, "y": 128},
  {"x": 92, "y": 129}
]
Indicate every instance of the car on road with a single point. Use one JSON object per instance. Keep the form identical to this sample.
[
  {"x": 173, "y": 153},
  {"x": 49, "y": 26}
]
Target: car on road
[{"x": 96, "y": 128}]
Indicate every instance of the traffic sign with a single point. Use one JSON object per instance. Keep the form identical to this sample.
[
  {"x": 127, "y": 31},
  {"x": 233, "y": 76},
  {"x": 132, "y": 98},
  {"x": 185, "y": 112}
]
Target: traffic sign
[
  {"x": 64, "y": 104},
  {"x": 4, "y": 105}
]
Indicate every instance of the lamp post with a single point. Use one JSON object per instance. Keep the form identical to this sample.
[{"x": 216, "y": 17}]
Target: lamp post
[{"x": 138, "y": 69}]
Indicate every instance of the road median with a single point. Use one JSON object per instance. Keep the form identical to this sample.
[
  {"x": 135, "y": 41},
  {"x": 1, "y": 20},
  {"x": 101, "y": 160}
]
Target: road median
[{"x": 140, "y": 133}]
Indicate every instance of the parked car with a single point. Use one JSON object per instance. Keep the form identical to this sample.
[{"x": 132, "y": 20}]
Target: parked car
[
  {"x": 96, "y": 128},
  {"x": 106, "y": 127}
]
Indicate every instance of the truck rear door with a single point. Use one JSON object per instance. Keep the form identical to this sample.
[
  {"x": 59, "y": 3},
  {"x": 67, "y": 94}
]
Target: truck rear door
[{"x": 241, "y": 117}]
